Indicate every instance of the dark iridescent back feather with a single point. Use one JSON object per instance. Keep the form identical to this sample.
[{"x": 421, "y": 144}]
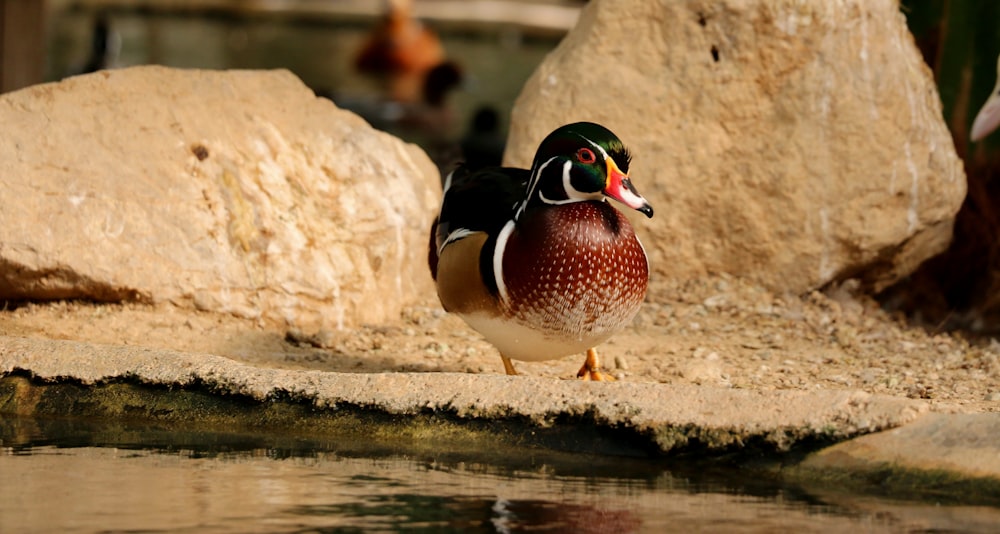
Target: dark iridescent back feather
[{"x": 480, "y": 200}]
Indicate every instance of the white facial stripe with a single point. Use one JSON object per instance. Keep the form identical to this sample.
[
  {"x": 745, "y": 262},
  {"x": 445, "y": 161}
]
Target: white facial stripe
[
  {"x": 548, "y": 200},
  {"x": 501, "y": 244},
  {"x": 567, "y": 187},
  {"x": 572, "y": 194},
  {"x": 597, "y": 146},
  {"x": 556, "y": 202}
]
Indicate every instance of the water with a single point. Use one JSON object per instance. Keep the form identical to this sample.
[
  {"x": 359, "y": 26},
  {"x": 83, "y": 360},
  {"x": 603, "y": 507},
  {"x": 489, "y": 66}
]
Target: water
[{"x": 73, "y": 476}]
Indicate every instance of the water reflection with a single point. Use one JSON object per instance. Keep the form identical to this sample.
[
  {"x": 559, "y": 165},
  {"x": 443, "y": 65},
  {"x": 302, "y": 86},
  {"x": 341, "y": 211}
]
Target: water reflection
[
  {"x": 473, "y": 514},
  {"x": 157, "y": 480}
]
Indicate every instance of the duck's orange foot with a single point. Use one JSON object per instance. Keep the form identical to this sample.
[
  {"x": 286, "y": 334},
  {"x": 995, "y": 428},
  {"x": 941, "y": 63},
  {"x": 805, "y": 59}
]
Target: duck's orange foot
[{"x": 591, "y": 369}]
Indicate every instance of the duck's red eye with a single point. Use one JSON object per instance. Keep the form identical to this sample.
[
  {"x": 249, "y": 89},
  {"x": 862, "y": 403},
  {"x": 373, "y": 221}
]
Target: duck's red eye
[{"x": 586, "y": 155}]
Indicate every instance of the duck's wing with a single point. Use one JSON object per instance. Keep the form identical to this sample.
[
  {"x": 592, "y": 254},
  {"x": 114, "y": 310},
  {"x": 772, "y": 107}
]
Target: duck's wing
[{"x": 479, "y": 201}]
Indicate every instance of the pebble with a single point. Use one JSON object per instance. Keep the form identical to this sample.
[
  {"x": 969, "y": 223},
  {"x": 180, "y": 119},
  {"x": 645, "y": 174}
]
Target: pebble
[
  {"x": 702, "y": 372},
  {"x": 773, "y": 340},
  {"x": 704, "y": 353},
  {"x": 868, "y": 376},
  {"x": 840, "y": 379},
  {"x": 716, "y": 301},
  {"x": 435, "y": 348}
]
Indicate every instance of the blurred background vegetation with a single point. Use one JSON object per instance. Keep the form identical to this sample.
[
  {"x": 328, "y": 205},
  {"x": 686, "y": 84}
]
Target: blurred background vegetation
[
  {"x": 494, "y": 52},
  {"x": 960, "y": 289},
  {"x": 493, "y": 46}
]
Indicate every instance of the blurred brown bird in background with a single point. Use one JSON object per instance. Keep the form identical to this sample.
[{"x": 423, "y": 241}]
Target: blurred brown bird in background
[{"x": 402, "y": 51}]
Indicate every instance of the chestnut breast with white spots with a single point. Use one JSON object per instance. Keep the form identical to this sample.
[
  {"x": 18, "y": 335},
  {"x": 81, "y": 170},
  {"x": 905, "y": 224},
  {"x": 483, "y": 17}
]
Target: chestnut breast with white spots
[{"x": 575, "y": 269}]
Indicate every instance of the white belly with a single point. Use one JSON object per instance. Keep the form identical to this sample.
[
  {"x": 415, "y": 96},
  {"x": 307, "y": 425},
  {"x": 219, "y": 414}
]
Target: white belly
[{"x": 520, "y": 342}]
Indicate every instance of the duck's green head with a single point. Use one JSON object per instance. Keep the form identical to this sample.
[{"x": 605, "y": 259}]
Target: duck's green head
[{"x": 583, "y": 161}]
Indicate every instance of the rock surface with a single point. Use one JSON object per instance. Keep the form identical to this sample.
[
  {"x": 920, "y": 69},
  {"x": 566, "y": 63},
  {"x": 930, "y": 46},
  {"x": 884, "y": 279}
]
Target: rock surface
[
  {"x": 670, "y": 418},
  {"x": 793, "y": 143},
  {"x": 238, "y": 192},
  {"x": 963, "y": 445}
]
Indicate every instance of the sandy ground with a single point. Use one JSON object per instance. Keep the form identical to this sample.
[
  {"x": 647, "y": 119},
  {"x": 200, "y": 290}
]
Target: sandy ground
[{"x": 720, "y": 331}]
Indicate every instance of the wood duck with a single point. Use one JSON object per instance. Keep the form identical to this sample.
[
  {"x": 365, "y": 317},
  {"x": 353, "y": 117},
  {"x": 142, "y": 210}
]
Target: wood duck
[{"x": 538, "y": 261}]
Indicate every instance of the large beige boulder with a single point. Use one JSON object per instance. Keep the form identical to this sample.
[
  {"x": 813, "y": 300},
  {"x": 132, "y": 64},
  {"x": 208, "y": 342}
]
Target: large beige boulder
[
  {"x": 794, "y": 143},
  {"x": 238, "y": 192}
]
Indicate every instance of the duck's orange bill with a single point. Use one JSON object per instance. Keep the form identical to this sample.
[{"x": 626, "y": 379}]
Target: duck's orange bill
[{"x": 620, "y": 188}]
